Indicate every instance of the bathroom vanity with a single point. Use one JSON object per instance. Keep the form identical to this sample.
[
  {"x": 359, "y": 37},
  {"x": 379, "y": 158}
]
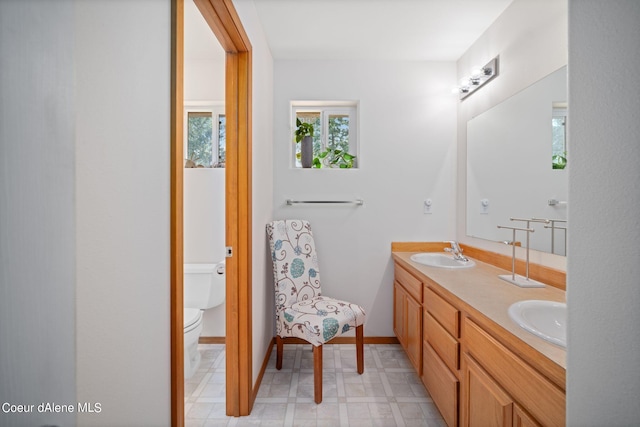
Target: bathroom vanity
[{"x": 479, "y": 366}]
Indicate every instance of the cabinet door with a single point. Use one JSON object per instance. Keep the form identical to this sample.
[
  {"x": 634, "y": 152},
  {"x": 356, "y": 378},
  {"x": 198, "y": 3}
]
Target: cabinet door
[
  {"x": 398, "y": 312},
  {"x": 483, "y": 402},
  {"x": 522, "y": 419},
  {"x": 542, "y": 399},
  {"x": 413, "y": 332},
  {"x": 441, "y": 384}
]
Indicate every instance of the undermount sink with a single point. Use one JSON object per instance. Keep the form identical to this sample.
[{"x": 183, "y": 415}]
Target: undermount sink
[
  {"x": 546, "y": 319},
  {"x": 442, "y": 260}
]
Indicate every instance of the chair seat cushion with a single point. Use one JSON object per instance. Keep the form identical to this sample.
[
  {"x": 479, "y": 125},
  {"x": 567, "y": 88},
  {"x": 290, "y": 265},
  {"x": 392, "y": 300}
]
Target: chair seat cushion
[{"x": 319, "y": 319}]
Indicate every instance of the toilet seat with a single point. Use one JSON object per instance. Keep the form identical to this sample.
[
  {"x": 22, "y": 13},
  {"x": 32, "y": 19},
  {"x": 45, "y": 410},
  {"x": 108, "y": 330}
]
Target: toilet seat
[{"x": 192, "y": 318}]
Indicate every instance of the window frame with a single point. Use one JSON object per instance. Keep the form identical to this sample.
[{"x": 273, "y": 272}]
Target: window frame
[
  {"x": 216, "y": 109},
  {"x": 327, "y": 109}
]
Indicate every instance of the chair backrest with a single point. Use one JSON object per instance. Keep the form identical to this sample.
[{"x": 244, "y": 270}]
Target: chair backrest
[{"x": 296, "y": 274}]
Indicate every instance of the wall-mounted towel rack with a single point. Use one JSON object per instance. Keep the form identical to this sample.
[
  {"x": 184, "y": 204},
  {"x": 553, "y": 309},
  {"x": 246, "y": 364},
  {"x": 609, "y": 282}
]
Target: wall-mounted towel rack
[{"x": 358, "y": 202}]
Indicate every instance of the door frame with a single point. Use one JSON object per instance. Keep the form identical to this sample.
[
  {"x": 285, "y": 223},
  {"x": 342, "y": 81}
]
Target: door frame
[{"x": 224, "y": 21}]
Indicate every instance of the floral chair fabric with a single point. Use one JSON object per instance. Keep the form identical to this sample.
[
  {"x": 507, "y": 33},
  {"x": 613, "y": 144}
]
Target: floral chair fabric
[{"x": 301, "y": 309}]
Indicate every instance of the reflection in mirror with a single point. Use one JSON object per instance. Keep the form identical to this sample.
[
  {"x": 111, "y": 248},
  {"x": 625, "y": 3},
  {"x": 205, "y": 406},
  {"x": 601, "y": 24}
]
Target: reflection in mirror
[
  {"x": 508, "y": 173},
  {"x": 559, "y": 135}
]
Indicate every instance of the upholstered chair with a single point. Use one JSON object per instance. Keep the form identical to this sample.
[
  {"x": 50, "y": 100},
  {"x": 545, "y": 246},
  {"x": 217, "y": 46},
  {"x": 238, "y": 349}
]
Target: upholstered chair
[{"x": 301, "y": 309}]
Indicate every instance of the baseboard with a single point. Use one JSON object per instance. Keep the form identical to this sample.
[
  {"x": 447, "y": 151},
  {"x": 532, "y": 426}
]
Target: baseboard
[
  {"x": 348, "y": 340},
  {"x": 211, "y": 340},
  {"x": 265, "y": 362},
  {"x": 380, "y": 340}
]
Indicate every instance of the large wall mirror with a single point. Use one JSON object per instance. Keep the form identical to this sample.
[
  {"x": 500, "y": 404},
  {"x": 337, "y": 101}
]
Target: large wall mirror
[{"x": 517, "y": 163}]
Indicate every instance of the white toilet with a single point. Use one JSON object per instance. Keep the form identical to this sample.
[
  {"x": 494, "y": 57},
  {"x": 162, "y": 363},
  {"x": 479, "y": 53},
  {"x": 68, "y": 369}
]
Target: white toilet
[{"x": 204, "y": 288}]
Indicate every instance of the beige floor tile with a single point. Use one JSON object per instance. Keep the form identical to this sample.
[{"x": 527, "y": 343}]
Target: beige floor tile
[{"x": 389, "y": 393}]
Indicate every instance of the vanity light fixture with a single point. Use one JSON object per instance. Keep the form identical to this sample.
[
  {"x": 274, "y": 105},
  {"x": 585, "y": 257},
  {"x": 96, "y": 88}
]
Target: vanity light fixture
[{"x": 478, "y": 78}]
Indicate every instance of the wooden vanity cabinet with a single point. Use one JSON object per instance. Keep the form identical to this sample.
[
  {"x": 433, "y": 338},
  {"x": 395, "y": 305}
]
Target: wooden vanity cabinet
[
  {"x": 485, "y": 403},
  {"x": 441, "y": 354},
  {"x": 500, "y": 389},
  {"x": 521, "y": 418},
  {"x": 473, "y": 378},
  {"x": 442, "y": 384},
  {"x": 407, "y": 318}
]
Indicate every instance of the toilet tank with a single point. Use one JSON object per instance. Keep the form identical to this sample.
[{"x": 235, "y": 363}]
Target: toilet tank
[{"x": 204, "y": 285}]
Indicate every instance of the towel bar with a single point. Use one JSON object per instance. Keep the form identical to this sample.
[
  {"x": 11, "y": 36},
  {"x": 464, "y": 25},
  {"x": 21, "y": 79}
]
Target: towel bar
[{"x": 358, "y": 202}]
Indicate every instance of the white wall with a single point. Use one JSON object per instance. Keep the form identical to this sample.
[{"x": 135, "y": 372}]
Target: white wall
[
  {"x": 204, "y": 78},
  {"x": 122, "y": 210},
  {"x": 407, "y": 154},
  {"x": 262, "y": 182},
  {"x": 531, "y": 39},
  {"x": 204, "y": 231},
  {"x": 37, "y": 222},
  {"x": 204, "y": 58},
  {"x": 603, "y": 354}
]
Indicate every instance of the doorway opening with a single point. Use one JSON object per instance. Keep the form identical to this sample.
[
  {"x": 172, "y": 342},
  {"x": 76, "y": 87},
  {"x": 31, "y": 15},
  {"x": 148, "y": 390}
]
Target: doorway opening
[{"x": 223, "y": 20}]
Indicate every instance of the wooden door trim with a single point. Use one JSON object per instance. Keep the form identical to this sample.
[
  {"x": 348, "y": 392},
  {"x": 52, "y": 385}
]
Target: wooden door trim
[
  {"x": 226, "y": 26},
  {"x": 176, "y": 215}
]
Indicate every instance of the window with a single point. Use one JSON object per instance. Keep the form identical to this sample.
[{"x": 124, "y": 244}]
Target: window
[
  {"x": 559, "y": 136},
  {"x": 205, "y": 137},
  {"x": 335, "y": 143}
]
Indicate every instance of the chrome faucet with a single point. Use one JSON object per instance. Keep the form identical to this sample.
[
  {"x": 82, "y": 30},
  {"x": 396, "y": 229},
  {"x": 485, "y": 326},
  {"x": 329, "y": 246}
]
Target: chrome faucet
[{"x": 456, "y": 250}]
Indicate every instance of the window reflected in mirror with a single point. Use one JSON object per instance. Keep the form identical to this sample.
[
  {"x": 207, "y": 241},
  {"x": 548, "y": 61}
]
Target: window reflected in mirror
[
  {"x": 508, "y": 176},
  {"x": 559, "y": 136}
]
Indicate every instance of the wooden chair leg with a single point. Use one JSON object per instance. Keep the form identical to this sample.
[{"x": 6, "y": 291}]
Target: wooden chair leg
[
  {"x": 279, "y": 350},
  {"x": 317, "y": 373},
  {"x": 360, "y": 348}
]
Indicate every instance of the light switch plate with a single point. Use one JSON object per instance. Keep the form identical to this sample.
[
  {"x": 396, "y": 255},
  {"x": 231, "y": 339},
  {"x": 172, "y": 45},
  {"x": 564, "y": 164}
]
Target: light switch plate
[
  {"x": 428, "y": 206},
  {"x": 484, "y": 206}
]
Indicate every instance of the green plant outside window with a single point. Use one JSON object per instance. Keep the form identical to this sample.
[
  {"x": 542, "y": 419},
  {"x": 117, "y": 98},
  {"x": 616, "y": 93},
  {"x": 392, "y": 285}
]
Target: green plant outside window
[{"x": 330, "y": 150}]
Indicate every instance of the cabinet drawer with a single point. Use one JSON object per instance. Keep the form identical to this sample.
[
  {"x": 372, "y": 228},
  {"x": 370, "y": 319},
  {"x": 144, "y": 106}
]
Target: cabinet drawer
[
  {"x": 409, "y": 282},
  {"x": 441, "y": 384},
  {"x": 531, "y": 390},
  {"x": 446, "y": 314},
  {"x": 444, "y": 344}
]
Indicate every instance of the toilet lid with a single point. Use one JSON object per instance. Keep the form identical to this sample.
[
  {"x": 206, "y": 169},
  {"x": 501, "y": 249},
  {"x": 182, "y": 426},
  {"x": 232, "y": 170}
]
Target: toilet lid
[{"x": 191, "y": 316}]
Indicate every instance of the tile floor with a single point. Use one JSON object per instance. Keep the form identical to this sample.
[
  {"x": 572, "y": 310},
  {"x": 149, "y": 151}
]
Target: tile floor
[{"x": 389, "y": 393}]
